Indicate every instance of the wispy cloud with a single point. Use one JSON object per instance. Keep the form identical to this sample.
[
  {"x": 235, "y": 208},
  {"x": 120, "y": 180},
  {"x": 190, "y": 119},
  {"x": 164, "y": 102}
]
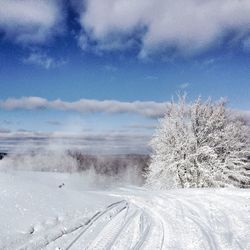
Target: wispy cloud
[
  {"x": 30, "y": 21},
  {"x": 82, "y": 41},
  {"x": 147, "y": 108},
  {"x": 184, "y": 85},
  {"x": 110, "y": 68},
  {"x": 43, "y": 60}
]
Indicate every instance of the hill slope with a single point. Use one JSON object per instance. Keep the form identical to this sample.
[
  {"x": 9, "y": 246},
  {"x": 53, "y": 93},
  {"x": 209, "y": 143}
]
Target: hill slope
[{"x": 58, "y": 211}]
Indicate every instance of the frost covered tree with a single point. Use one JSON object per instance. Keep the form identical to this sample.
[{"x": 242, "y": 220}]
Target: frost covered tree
[{"x": 199, "y": 145}]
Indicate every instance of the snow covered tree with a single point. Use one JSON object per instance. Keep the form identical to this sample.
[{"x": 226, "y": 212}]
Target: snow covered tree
[{"x": 199, "y": 145}]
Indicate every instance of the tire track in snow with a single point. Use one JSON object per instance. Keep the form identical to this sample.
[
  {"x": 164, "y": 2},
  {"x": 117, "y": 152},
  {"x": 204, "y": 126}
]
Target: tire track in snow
[
  {"x": 104, "y": 230},
  {"x": 153, "y": 237},
  {"x": 107, "y": 235},
  {"x": 112, "y": 231},
  {"x": 149, "y": 220},
  {"x": 143, "y": 233},
  {"x": 42, "y": 241},
  {"x": 119, "y": 206},
  {"x": 132, "y": 233}
]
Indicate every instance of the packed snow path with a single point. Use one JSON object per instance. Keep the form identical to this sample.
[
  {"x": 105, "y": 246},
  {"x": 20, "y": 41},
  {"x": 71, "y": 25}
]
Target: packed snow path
[{"x": 195, "y": 219}]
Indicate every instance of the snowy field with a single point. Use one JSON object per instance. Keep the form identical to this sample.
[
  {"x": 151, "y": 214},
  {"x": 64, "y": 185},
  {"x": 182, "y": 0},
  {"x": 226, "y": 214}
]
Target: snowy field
[{"x": 35, "y": 213}]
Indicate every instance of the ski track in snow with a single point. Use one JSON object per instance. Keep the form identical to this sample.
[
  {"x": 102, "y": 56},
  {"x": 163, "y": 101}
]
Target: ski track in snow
[{"x": 157, "y": 220}]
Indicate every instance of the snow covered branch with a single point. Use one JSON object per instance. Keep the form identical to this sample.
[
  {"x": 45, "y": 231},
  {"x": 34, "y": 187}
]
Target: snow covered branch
[{"x": 200, "y": 145}]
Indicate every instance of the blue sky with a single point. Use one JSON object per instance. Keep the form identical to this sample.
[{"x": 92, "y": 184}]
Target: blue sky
[{"x": 120, "y": 51}]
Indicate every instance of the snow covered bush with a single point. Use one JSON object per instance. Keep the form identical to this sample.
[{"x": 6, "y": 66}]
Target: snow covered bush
[{"x": 199, "y": 145}]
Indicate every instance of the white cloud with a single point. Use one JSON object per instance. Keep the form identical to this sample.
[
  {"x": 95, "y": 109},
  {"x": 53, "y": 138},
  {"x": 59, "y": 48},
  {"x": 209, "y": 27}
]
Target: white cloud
[
  {"x": 43, "y": 60},
  {"x": 184, "y": 85},
  {"x": 30, "y": 21},
  {"x": 24, "y": 103},
  {"x": 82, "y": 41},
  {"x": 186, "y": 26},
  {"x": 111, "y": 142},
  {"x": 147, "y": 109}
]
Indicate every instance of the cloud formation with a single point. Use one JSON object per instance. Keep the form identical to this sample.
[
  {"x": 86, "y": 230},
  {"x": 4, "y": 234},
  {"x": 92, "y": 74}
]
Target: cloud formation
[
  {"x": 4, "y": 130},
  {"x": 104, "y": 143},
  {"x": 43, "y": 60},
  {"x": 182, "y": 27},
  {"x": 30, "y": 21},
  {"x": 148, "y": 109},
  {"x": 185, "y": 27}
]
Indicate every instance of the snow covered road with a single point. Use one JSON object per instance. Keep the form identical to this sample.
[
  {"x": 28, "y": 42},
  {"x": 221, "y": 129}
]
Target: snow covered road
[{"x": 128, "y": 218}]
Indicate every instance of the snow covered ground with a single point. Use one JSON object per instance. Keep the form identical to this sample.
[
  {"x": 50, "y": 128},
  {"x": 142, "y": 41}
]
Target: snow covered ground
[{"x": 35, "y": 213}]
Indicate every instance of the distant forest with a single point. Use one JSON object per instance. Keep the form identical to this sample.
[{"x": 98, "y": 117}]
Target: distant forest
[{"x": 111, "y": 164}]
